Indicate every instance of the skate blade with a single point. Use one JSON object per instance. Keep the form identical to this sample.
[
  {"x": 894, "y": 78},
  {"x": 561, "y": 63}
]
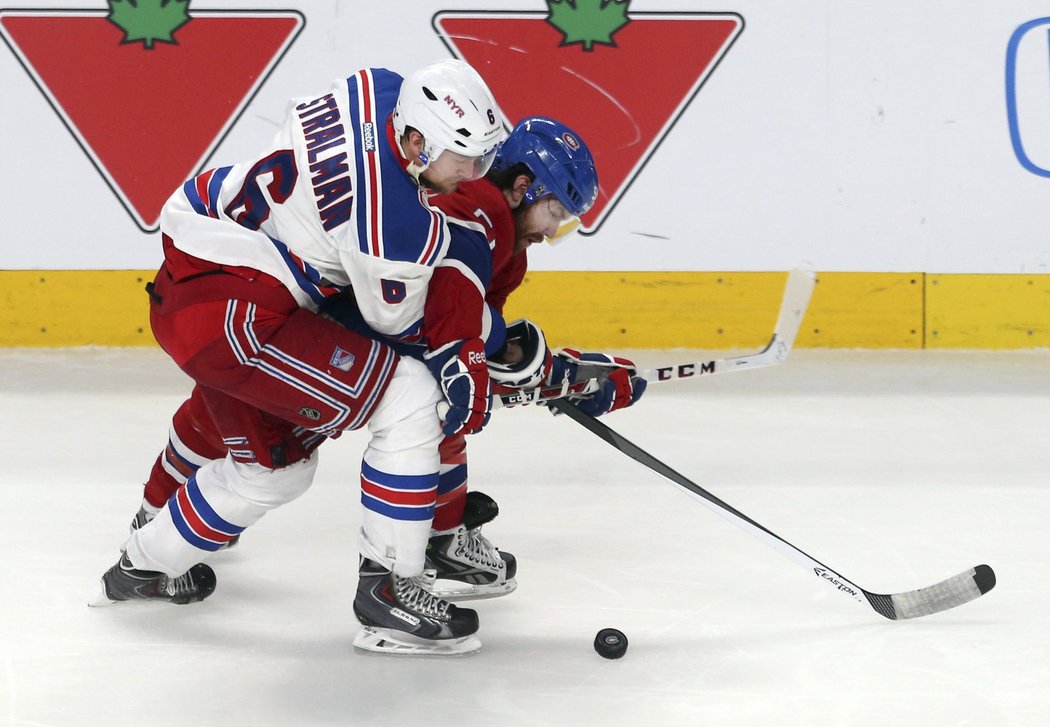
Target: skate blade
[
  {"x": 99, "y": 597},
  {"x": 455, "y": 591},
  {"x": 370, "y": 640}
]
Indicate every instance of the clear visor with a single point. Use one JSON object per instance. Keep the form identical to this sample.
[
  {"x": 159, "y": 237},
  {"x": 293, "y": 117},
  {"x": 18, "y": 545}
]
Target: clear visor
[
  {"x": 565, "y": 231},
  {"x": 568, "y": 223},
  {"x": 467, "y": 168}
]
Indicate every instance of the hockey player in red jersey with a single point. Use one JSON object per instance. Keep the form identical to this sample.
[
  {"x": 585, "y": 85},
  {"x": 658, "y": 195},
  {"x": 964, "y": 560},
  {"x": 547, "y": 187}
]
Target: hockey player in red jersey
[
  {"x": 542, "y": 181},
  {"x": 338, "y": 203}
]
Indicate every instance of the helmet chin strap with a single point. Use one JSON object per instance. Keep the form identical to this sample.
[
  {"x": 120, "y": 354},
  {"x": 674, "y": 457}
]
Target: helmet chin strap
[
  {"x": 415, "y": 166},
  {"x": 414, "y": 169},
  {"x": 422, "y": 162}
]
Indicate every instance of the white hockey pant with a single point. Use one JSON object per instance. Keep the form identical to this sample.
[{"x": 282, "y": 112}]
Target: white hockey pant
[
  {"x": 223, "y": 498},
  {"x": 399, "y": 472}
]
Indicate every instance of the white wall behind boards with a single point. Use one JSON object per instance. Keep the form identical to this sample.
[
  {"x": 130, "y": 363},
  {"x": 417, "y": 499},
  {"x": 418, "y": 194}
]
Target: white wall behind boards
[{"x": 854, "y": 136}]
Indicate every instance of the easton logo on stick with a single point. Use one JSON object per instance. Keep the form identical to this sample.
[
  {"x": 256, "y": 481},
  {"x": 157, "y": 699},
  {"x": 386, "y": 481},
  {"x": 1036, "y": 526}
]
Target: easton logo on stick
[
  {"x": 619, "y": 78},
  {"x": 149, "y": 88}
]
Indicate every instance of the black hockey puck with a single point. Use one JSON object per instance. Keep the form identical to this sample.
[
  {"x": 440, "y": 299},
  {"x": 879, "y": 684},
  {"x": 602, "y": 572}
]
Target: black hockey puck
[{"x": 610, "y": 643}]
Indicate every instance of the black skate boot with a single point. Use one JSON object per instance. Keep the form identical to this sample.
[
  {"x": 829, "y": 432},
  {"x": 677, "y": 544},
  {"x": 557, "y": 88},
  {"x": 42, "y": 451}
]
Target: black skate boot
[
  {"x": 124, "y": 582},
  {"x": 143, "y": 516},
  {"x": 462, "y": 564},
  {"x": 398, "y": 617}
]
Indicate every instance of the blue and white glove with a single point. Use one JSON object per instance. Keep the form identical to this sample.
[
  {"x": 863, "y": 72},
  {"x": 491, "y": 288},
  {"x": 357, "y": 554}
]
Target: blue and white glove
[
  {"x": 462, "y": 371},
  {"x": 524, "y": 361},
  {"x": 618, "y": 383}
]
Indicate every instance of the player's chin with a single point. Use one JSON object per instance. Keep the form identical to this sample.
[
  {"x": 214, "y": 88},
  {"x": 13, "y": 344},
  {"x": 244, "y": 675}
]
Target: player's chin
[{"x": 440, "y": 186}]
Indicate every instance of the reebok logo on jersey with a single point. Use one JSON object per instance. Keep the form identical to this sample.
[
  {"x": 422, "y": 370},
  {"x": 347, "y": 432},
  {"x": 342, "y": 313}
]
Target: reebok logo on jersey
[
  {"x": 368, "y": 136},
  {"x": 341, "y": 359},
  {"x": 476, "y": 358}
]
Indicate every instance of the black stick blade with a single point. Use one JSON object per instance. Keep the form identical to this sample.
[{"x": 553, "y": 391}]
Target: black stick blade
[{"x": 984, "y": 577}]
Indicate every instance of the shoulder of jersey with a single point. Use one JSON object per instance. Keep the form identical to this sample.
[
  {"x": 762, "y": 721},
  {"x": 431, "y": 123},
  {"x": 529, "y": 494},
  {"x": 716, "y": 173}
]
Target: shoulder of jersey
[
  {"x": 477, "y": 205},
  {"x": 393, "y": 220}
]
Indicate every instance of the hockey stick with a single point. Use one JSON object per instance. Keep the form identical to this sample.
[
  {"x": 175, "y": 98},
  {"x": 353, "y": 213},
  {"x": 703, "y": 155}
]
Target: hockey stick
[
  {"x": 797, "y": 292},
  {"x": 949, "y": 593}
]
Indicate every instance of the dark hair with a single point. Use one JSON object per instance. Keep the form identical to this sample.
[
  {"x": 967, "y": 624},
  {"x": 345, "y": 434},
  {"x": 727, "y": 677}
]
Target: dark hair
[{"x": 504, "y": 178}]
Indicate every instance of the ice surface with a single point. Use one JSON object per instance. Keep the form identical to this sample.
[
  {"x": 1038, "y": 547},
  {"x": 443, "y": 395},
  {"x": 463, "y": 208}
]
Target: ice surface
[{"x": 898, "y": 469}]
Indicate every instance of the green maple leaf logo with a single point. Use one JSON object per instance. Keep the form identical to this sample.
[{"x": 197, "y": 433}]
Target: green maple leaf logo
[
  {"x": 147, "y": 21},
  {"x": 588, "y": 21}
]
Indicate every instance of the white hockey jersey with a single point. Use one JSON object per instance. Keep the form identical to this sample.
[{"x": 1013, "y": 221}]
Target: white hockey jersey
[{"x": 327, "y": 206}]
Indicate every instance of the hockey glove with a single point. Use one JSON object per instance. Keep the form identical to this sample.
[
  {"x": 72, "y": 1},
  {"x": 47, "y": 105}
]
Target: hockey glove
[
  {"x": 461, "y": 369},
  {"x": 524, "y": 361},
  {"x": 618, "y": 385}
]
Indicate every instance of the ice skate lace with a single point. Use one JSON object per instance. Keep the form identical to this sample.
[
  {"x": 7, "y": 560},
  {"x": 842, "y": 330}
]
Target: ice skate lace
[
  {"x": 413, "y": 597},
  {"x": 477, "y": 549},
  {"x": 183, "y": 585}
]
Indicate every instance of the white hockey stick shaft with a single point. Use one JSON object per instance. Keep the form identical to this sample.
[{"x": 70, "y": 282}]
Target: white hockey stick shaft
[
  {"x": 795, "y": 302},
  {"x": 793, "y": 306}
]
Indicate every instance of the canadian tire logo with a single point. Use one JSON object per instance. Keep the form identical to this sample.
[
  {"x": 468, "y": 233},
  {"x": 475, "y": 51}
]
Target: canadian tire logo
[
  {"x": 148, "y": 88},
  {"x": 621, "y": 79}
]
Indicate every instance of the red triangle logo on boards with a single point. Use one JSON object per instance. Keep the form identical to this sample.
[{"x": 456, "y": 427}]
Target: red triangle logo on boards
[
  {"x": 149, "y": 99},
  {"x": 621, "y": 80}
]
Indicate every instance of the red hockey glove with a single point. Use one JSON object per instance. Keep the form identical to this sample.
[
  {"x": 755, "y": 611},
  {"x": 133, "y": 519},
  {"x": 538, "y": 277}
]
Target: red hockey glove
[{"x": 618, "y": 385}]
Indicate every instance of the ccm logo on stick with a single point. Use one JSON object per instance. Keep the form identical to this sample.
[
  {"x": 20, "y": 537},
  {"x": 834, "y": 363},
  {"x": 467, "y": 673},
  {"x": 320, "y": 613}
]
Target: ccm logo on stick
[{"x": 684, "y": 371}]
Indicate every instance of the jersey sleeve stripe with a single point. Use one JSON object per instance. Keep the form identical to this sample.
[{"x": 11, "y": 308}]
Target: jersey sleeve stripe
[
  {"x": 466, "y": 271},
  {"x": 437, "y": 223},
  {"x": 362, "y": 106},
  {"x": 470, "y": 225},
  {"x": 202, "y": 189},
  {"x": 189, "y": 189},
  {"x": 215, "y": 187},
  {"x": 306, "y": 277}
]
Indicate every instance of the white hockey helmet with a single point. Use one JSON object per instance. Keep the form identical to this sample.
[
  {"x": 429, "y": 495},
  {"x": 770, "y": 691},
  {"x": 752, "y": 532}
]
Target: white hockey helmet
[{"x": 450, "y": 105}]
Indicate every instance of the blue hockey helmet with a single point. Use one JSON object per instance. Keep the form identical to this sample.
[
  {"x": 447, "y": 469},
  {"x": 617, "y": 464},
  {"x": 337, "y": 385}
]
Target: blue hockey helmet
[{"x": 558, "y": 159}]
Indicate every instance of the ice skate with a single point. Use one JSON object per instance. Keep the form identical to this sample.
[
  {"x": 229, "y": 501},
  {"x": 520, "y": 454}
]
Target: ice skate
[
  {"x": 462, "y": 564},
  {"x": 124, "y": 582},
  {"x": 143, "y": 516},
  {"x": 398, "y": 617}
]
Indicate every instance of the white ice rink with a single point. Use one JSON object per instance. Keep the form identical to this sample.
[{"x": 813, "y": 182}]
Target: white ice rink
[{"x": 898, "y": 469}]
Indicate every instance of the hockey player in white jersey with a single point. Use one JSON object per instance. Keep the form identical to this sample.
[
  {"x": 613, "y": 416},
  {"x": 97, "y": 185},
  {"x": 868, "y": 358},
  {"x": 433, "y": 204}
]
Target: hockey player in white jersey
[{"x": 339, "y": 202}]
